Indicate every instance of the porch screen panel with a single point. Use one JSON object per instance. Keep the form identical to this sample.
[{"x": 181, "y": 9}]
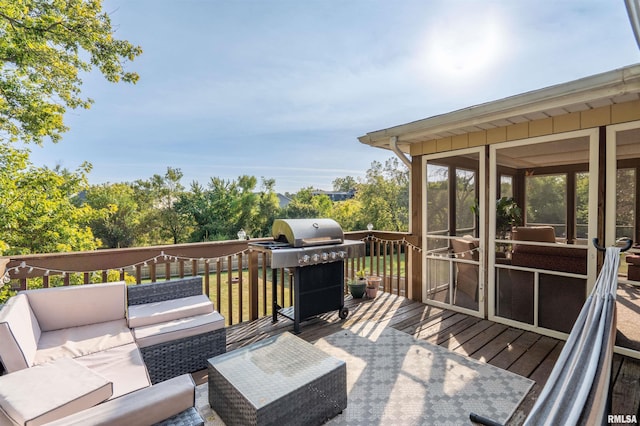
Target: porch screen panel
[
  {"x": 540, "y": 262},
  {"x": 466, "y": 200},
  {"x": 546, "y": 202},
  {"x": 452, "y": 268},
  {"x": 623, "y": 224},
  {"x": 625, "y": 202},
  {"x": 506, "y": 186},
  {"x": 582, "y": 208},
  {"x": 438, "y": 271}
]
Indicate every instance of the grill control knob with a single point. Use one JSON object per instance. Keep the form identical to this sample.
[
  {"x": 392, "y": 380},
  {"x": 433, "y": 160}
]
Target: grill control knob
[
  {"x": 315, "y": 257},
  {"x": 305, "y": 259},
  {"x": 333, "y": 255},
  {"x": 325, "y": 256},
  {"x": 342, "y": 254}
]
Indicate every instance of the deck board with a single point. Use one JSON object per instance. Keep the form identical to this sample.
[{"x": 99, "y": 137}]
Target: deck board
[
  {"x": 539, "y": 376},
  {"x": 496, "y": 345},
  {"x": 461, "y": 338},
  {"x": 481, "y": 339},
  {"x": 525, "y": 365},
  {"x": 626, "y": 398},
  {"x": 515, "y": 350},
  {"x": 522, "y": 352}
]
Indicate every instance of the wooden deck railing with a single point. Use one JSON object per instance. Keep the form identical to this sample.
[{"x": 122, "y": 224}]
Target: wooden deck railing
[{"x": 233, "y": 274}]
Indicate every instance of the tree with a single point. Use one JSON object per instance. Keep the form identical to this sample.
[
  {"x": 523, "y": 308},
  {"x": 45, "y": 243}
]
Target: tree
[
  {"x": 345, "y": 184},
  {"x": 267, "y": 210},
  {"x": 120, "y": 226},
  {"x": 348, "y": 214},
  {"x": 306, "y": 205},
  {"x": 156, "y": 197},
  {"x": 44, "y": 48},
  {"x": 220, "y": 210},
  {"x": 385, "y": 196},
  {"x": 546, "y": 200},
  {"x": 37, "y": 212}
]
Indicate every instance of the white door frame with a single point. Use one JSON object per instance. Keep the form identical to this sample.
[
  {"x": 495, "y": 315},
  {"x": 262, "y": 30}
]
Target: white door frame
[
  {"x": 610, "y": 199},
  {"x": 481, "y": 176},
  {"x": 593, "y": 136}
]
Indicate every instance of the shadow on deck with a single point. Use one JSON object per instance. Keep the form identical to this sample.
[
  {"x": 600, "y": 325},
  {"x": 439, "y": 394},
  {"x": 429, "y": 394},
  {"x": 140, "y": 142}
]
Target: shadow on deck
[{"x": 522, "y": 352}]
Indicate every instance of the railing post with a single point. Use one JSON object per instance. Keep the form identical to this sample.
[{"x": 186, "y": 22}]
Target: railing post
[
  {"x": 218, "y": 284},
  {"x": 207, "y": 290},
  {"x": 152, "y": 272},
  {"x": 230, "y": 289},
  {"x": 253, "y": 285},
  {"x": 240, "y": 288}
]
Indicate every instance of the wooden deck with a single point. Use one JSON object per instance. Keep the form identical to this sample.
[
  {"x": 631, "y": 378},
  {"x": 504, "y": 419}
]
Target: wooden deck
[{"x": 522, "y": 352}]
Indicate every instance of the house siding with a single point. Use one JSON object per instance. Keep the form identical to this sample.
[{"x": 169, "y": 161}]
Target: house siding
[{"x": 602, "y": 116}]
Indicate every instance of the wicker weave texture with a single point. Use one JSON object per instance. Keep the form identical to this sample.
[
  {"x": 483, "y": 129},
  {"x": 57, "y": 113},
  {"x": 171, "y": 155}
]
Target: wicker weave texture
[
  {"x": 188, "y": 417},
  {"x": 187, "y": 355},
  {"x": 164, "y": 290},
  {"x": 261, "y": 385},
  {"x": 312, "y": 404}
]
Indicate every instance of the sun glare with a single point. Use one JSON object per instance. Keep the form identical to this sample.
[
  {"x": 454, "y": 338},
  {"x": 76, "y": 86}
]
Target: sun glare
[{"x": 464, "y": 43}]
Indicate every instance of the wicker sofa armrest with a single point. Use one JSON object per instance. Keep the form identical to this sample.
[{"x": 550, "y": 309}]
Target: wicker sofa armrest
[{"x": 165, "y": 290}]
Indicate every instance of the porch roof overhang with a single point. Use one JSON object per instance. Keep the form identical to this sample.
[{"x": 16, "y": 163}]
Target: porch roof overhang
[{"x": 612, "y": 87}]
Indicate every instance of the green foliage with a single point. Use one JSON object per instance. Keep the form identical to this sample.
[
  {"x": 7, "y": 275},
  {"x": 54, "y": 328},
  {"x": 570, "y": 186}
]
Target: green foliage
[
  {"x": 348, "y": 214},
  {"x": 37, "y": 214},
  {"x": 6, "y": 292},
  {"x": 625, "y": 203},
  {"x": 345, "y": 184},
  {"x": 268, "y": 208},
  {"x": 220, "y": 210},
  {"x": 160, "y": 222},
  {"x": 582, "y": 204},
  {"x": 78, "y": 279},
  {"x": 508, "y": 215},
  {"x": 44, "y": 210},
  {"x": 305, "y": 204},
  {"x": 546, "y": 201},
  {"x": 385, "y": 196},
  {"x": 44, "y": 48},
  {"x": 465, "y": 200},
  {"x": 118, "y": 225},
  {"x": 437, "y": 198}
]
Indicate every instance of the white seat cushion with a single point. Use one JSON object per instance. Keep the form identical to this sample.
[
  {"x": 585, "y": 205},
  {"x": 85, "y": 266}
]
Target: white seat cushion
[
  {"x": 45, "y": 393},
  {"x": 122, "y": 365},
  {"x": 169, "y": 310},
  {"x": 74, "y": 342},
  {"x": 148, "y": 406},
  {"x": 186, "y": 327}
]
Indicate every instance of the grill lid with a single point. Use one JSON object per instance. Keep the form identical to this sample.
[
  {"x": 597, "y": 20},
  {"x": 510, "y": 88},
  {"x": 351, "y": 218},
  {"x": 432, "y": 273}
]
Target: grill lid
[{"x": 307, "y": 232}]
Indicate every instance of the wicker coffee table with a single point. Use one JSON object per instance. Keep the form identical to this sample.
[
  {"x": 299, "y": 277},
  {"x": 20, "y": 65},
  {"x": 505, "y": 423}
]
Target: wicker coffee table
[{"x": 281, "y": 380}]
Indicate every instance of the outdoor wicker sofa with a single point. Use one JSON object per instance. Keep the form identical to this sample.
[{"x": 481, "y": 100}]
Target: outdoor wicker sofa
[
  {"x": 175, "y": 327},
  {"x": 67, "y": 350}
]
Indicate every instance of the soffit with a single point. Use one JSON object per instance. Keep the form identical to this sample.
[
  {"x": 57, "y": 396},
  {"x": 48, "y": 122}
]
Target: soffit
[{"x": 610, "y": 88}]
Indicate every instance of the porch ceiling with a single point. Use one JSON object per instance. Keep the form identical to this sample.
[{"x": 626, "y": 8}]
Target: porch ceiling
[{"x": 612, "y": 87}]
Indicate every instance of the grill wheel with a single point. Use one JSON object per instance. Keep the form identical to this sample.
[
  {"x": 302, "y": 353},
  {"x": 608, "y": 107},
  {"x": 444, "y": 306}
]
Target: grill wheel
[{"x": 344, "y": 312}]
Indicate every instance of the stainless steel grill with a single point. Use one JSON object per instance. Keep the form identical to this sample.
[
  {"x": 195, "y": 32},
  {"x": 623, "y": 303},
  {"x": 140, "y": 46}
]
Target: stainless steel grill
[
  {"x": 313, "y": 250},
  {"x": 305, "y": 242}
]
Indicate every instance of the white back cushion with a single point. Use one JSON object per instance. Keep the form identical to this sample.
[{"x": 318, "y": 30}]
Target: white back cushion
[
  {"x": 19, "y": 334},
  {"x": 62, "y": 307}
]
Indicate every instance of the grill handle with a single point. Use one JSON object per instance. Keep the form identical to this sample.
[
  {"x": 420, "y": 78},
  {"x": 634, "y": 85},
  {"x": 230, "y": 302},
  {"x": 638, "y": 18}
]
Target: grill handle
[{"x": 308, "y": 242}]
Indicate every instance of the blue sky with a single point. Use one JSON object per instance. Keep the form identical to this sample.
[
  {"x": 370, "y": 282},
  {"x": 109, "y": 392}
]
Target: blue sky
[{"x": 282, "y": 89}]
